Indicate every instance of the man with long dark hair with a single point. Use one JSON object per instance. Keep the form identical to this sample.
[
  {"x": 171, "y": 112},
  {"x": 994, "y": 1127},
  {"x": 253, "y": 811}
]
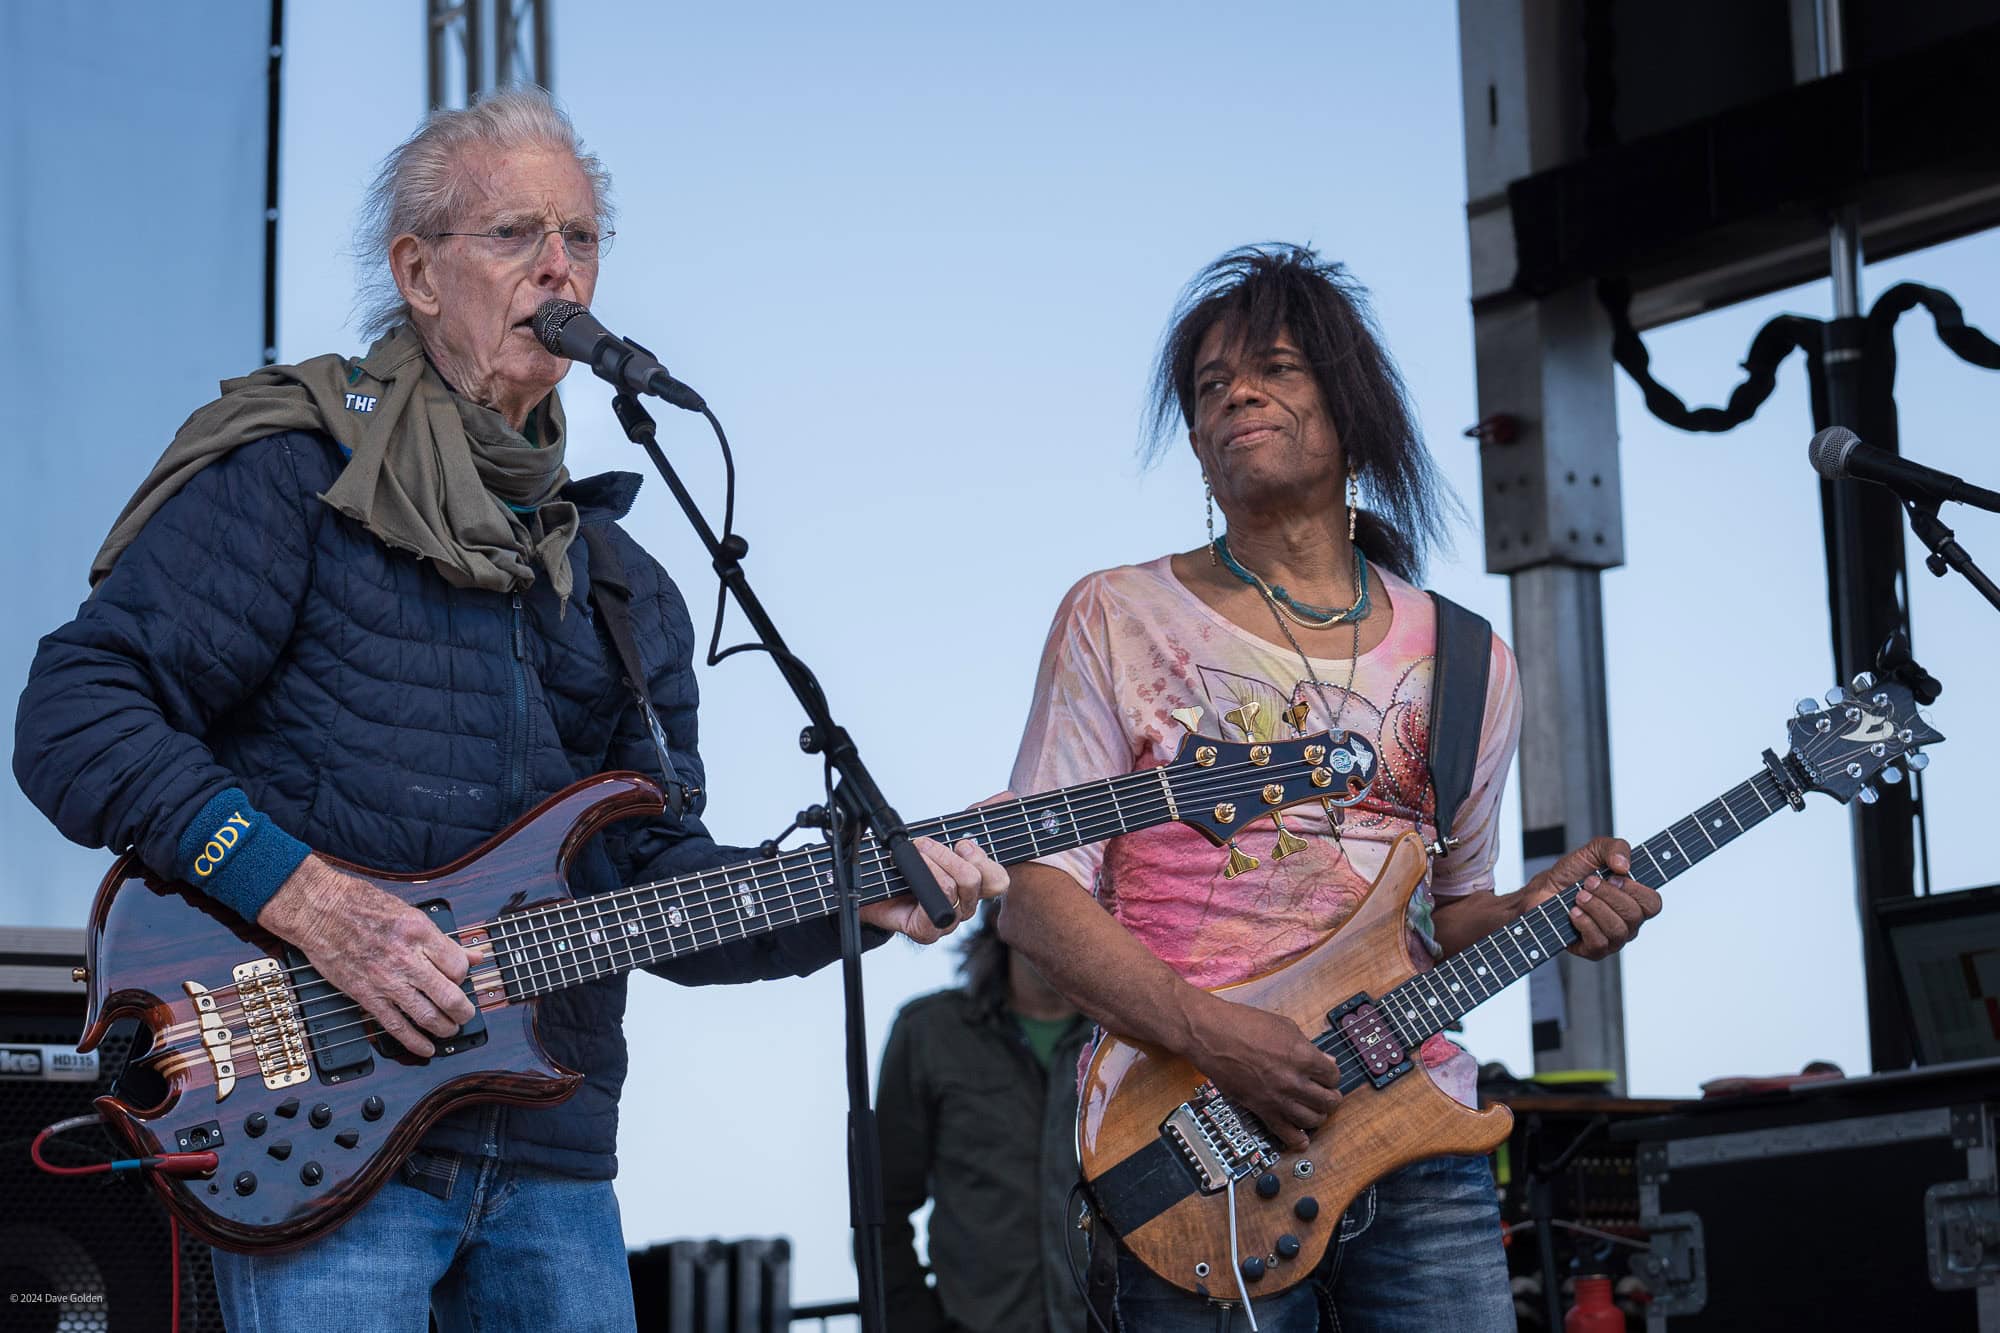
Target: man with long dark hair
[{"x": 1303, "y": 615}]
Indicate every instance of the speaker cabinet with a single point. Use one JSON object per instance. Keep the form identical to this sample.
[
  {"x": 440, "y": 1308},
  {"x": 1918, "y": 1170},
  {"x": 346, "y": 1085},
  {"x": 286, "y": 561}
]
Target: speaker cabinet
[
  {"x": 713, "y": 1286},
  {"x": 78, "y": 1254}
]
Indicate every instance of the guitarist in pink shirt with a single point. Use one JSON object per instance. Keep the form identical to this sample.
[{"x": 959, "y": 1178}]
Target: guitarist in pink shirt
[{"x": 1302, "y": 614}]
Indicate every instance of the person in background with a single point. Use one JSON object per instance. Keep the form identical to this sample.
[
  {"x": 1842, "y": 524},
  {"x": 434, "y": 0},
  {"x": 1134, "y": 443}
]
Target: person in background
[{"x": 977, "y": 1112}]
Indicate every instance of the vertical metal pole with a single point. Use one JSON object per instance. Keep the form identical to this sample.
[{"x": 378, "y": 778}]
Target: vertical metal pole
[
  {"x": 1548, "y": 487},
  {"x": 506, "y": 43},
  {"x": 1844, "y": 239},
  {"x": 1867, "y": 587},
  {"x": 476, "y": 81},
  {"x": 1576, "y": 1008},
  {"x": 544, "y": 58},
  {"x": 273, "y": 127}
]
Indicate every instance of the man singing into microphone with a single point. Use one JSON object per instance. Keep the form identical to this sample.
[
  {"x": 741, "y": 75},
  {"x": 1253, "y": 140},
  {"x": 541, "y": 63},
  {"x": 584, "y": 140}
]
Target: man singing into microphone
[{"x": 353, "y": 611}]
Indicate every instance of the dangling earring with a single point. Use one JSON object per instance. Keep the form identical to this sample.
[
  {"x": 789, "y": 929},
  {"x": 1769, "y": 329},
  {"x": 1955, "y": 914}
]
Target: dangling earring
[
  {"x": 1353, "y": 495},
  {"x": 1208, "y": 493}
]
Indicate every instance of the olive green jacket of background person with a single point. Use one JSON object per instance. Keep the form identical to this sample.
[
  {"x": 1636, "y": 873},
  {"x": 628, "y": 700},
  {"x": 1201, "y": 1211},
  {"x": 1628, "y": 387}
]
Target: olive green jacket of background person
[{"x": 970, "y": 1120}]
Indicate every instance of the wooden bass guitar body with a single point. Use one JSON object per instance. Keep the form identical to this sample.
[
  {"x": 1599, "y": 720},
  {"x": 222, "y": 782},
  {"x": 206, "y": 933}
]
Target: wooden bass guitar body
[
  {"x": 303, "y": 1136},
  {"x": 1157, "y": 1181}
]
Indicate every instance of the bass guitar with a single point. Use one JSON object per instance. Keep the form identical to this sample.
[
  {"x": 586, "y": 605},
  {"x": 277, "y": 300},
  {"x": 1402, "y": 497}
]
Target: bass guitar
[
  {"x": 282, "y": 1107},
  {"x": 1204, "y": 1196}
]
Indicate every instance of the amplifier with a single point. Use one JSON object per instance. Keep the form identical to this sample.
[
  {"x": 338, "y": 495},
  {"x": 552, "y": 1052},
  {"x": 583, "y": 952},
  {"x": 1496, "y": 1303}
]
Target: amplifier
[{"x": 76, "y": 1252}]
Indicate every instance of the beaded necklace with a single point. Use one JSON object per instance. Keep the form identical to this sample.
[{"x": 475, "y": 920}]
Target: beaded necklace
[
  {"x": 1303, "y": 613},
  {"x": 1318, "y": 686}
]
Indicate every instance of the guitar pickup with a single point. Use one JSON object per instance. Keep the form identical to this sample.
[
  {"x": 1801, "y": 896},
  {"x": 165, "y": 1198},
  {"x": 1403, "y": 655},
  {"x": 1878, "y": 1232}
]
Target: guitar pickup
[
  {"x": 1369, "y": 1034},
  {"x": 342, "y": 1046}
]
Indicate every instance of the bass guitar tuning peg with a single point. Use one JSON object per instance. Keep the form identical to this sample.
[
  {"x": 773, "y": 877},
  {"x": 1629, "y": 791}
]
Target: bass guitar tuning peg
[
  {"x": 1239, "y": 861},
  {"x": 1288, "y": 841},
  {"x": 1916, "y": 761},
  {"x": 1241, "y": 718},
  {"x": 1892, "y": 774},
  {"x": 1806, "y": 707},
  {"x": 1867, "y": 796},
  {"x": 1189, "y": 718}
]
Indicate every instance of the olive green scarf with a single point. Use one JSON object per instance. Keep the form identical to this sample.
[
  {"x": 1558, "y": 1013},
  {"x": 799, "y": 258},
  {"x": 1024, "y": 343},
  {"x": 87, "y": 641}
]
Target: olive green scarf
[{"x": 428, "y": 472}]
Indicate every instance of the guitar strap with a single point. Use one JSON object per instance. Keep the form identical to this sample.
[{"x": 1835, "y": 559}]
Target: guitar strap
[
  {"x": 1458, "y": 711},
  {"x": 611, "y": 594}
]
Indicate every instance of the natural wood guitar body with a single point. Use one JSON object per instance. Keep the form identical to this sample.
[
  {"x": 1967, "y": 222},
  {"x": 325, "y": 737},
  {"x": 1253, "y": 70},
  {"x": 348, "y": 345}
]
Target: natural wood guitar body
[{"x": 1130, "y": 1090}]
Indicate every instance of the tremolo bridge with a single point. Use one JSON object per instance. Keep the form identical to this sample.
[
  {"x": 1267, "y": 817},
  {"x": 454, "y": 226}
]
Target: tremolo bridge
[{"x": 1220, "y": 1142}]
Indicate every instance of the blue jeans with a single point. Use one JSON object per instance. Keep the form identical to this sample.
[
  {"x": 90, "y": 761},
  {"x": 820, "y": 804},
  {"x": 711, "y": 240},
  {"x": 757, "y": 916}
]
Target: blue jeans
[
  {"x": 1419, "y": 1251},
  {"x": 512, "y": 1248}
]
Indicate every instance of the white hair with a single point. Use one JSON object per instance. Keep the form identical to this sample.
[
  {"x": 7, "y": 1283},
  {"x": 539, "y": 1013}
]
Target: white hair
[{"x": 420, "y": 188}]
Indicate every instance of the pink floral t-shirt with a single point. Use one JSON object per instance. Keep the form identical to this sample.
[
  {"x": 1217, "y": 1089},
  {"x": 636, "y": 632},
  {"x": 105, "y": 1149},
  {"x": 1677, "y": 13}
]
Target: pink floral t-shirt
[{"x": 1129, "y": 647}]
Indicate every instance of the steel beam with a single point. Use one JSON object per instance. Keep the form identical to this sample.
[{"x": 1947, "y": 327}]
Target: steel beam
[
  {"x": 1549, "y": 488},
  {"x": 476, "y": 46}
]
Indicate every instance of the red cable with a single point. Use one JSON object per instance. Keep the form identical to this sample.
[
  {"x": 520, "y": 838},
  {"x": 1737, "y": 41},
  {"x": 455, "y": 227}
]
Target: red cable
[
  {"x": 35, "y": 1151},
  {"x": 173, "y": 1163},
  {"x": 174, "y": 1239}
]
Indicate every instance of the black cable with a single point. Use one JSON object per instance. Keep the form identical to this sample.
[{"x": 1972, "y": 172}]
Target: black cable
[
  {"x": 717, "y": 656},
  {"x": 1069, "y": 1256},
  {"x": 1773, "y": 343},
  {"x": 1965, "y": 342}
]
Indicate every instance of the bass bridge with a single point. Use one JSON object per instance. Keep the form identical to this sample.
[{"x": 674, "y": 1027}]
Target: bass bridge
[{"x": 1218, "y": 1141}]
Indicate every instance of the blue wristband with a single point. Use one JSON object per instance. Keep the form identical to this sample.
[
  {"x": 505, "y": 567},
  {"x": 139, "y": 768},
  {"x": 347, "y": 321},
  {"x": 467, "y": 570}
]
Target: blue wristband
[{"x": 236, "y": 855}]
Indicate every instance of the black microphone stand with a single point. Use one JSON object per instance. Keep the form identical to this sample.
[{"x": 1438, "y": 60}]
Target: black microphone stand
[
  {"x": 1946, "y": 553},
  {"x": 855, "y": 805}
]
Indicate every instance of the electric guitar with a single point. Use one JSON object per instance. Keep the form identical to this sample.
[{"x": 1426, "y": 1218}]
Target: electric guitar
[
  {"x": 1198, "y": 1189},
  {"x": 307, "y": 1107}
]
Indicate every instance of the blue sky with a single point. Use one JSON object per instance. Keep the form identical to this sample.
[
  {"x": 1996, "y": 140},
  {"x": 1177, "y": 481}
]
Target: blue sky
[{"x": 917, "y": 258}]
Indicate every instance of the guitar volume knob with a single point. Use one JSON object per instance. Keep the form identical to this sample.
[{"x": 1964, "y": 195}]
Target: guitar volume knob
[
  {"x": 1267, "y": 1185},
  {"x": 1253, "y": 1268},
  {"x": 1306, "y": 1209},
  {"x": 1288, "y": 1246}
]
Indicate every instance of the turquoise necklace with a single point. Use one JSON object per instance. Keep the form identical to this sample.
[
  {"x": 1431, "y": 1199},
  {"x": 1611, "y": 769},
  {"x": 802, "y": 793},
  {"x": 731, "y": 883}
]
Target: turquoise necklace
[{"x": 1303, "y": 613}]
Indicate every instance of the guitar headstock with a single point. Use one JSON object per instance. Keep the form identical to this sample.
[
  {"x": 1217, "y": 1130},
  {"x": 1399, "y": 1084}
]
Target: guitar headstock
[
  {"x": 1220, "y": 787},
  {"x": 1867, "y": 732}
]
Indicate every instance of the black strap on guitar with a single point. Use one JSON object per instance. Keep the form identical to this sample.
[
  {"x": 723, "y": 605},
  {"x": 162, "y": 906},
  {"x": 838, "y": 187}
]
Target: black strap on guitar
[
  {"x": 1459, "y": 669},
  {"x": 611, "y": 594}
]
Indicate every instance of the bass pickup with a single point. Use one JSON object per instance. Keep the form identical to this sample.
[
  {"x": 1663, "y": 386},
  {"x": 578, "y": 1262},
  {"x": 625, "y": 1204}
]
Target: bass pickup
[{"x": 344, "y": 1045}]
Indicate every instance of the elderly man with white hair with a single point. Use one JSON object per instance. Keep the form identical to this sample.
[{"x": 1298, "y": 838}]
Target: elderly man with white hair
[{"x": 350, "y": 614}]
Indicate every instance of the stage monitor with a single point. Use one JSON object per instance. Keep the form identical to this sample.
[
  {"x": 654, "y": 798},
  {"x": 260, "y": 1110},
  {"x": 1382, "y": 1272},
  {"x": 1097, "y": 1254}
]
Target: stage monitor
[{"x": 1947, "y": 952}]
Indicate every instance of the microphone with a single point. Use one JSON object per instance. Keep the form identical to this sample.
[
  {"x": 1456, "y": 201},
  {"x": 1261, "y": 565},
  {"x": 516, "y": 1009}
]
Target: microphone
[
  {"x": 1838, "y": 452},
  {"x": 570, "y": 330}
]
